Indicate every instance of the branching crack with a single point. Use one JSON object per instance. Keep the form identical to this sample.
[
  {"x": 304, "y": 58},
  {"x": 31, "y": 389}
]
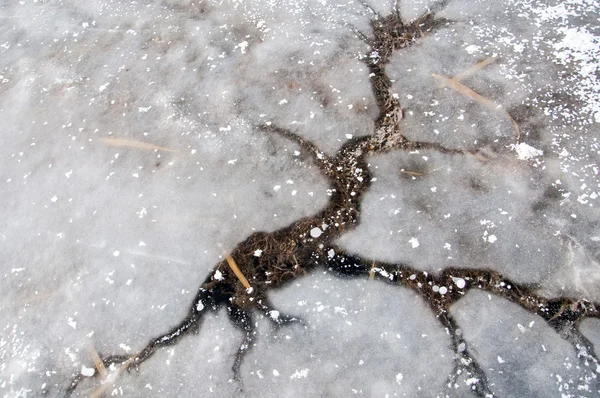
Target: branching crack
[{"x": 303, "y": 246}]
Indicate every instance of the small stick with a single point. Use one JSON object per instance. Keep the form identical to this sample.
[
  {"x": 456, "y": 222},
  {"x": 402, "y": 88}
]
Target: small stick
[
  {"x": 412, "y": 173},
  {"x": 113, "y": 378},
  {"x": 134, "y": 144},
  {"x": 237, "y": 272},
  {"x": 97, "y": 362},
  {"x": 466, "y": 91},
  {"x": 372, "y": 272},
  {"x": 469, "y": 71}
]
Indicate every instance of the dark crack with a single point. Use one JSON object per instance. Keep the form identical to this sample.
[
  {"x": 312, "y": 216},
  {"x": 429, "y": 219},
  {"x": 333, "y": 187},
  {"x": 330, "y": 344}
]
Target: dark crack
[{"x": 305, "y": 245}]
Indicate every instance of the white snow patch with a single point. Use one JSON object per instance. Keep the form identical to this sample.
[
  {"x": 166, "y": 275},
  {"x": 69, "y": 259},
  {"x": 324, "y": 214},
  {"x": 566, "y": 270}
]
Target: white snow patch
[
  {"x": 300, "y": 374},
  {"x": 88, "y": 372},
  {"x": 399, "y": 378},
  {"x": 414, "y": 242},
  {"x": 526, "y": 152},
  {"x": 459, "y": 282}
]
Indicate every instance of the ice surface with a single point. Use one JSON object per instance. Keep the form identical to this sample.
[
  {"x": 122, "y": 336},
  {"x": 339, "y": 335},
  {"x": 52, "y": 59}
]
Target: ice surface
[
  {"x": 527, "y": 358},
  {"x": 133, "y": 162}
]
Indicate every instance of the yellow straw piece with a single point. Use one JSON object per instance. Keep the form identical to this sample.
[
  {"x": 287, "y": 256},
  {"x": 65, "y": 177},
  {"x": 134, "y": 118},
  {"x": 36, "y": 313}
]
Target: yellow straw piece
[
  {"x": 97, "y": 361},
  {"x": 372, "y": 272},
  {"x": 478, "y": 66},
  {"x": 466, "y": 91},
  {"x": 134, "y": 144},
  {"x": 237, "y": 272}
]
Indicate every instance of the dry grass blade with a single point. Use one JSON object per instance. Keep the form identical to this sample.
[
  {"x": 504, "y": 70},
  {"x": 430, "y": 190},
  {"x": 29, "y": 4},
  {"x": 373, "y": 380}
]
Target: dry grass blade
[
  {"x": 122, "y": 142},
  {"x": 466, "y": 91},
  {"x": 412, "y": 173},
  {"x": 97, "y": 362},
  {"x": 110, "y": 381},
  {"x": 372, "y": 272},
  {"x": 469, "y": 71},
  {"x": 237, "y": 272}
]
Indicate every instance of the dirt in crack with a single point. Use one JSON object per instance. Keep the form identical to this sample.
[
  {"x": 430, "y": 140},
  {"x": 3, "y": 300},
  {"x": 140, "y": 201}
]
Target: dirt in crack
[{"x": 270, "y": 260}]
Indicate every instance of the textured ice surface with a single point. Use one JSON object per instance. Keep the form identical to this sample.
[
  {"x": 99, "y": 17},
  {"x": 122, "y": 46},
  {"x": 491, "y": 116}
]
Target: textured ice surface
[
  {"x": 527, "y": 357},
  {"x": 104, "y": 241}
]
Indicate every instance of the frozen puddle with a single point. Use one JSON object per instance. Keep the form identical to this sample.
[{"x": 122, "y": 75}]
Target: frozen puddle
[{"x": 299, "y": 198}]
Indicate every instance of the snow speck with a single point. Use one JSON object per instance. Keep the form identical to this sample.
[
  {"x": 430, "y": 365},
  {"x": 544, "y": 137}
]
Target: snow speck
[
  {"x": 526, "y": 152},
  {"x": 414, "y": 242},
  {"x": 316, "y": 232},
  {"x": 275, "y": 372},
  {"x": 103, "y": 87},
  {"x": 125, "y": 347},
  {"x": 258, "y": 253},
  {"x": 399, "y": 378},
  {"x": 443, "y": 290},
  {"x": 492, "y": 238},
  {"x": 54, "y": 199},
  {"x": 300, "y": 374},
  {"x": 218, "y": 275},
  {"x": 116, "y": 253},
  {"x": 200, "y": 306},
  {"x": 72, "y": 323},
  {"x": 500, "y": 360},
  {"x": 276, "y": 188},
  {"x": 472, "y": 49},
  {"x": 88, "y": 372},
  {"x": 274, "y": 314},
  {"x": 243, "y": 46},
  {"x": 459, "y": 282},
  {"x": 144, "y": 110}
]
